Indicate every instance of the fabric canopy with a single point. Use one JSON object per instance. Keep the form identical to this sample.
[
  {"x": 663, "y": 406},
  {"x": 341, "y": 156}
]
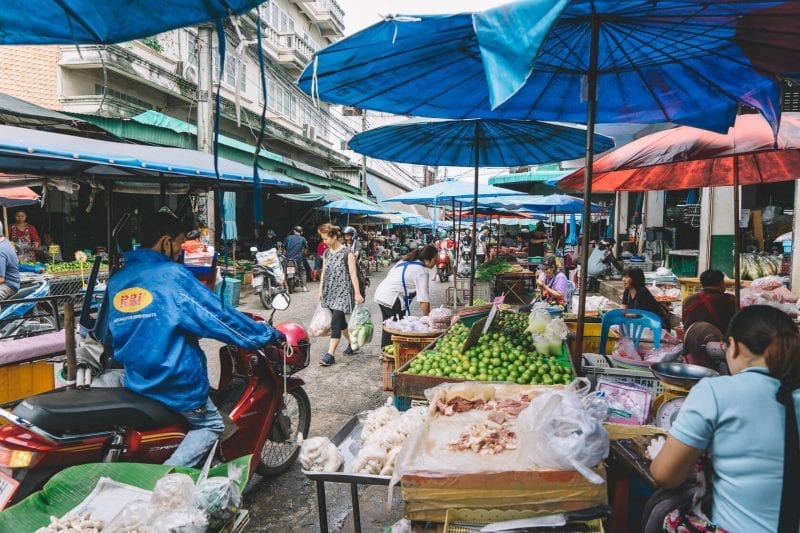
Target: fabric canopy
[
  {"x": 551, "y": 203},
  {"x": 685, "y": 62},
  {"x": 471, "y": 142},
  {"x": 38, "y": 152},
  {"x": 17, "y": 196},
  {"x": 74, "y": 22},
  {"x": 445, "y": 192},
  {"x": 687, "y": 158},
  {"x": 353, "y": 207}
]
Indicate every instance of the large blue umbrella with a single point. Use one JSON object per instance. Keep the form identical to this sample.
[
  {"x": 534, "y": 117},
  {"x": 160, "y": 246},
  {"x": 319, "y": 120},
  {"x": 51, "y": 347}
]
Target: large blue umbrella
[
  {"x": 353, "y": 207},
  {"x": 467, "y": 143},
  {"x": 550, "y": 203},
  {"x": 690, "y": 62},
  {"x": 73, "y": 22},
  {"x": 446, "y": 191}
]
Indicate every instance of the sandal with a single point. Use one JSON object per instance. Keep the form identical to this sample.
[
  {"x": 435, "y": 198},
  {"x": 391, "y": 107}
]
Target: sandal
[
  {"x": 327, "y": 360},
  {"x": 349, "y": 350}
]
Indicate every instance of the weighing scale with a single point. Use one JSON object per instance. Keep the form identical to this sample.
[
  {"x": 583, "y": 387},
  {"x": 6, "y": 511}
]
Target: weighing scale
[{"x": 677, "y": 379}]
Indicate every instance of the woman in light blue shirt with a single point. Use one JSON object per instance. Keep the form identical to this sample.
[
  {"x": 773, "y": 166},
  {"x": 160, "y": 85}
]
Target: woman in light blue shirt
[{"x": 744, "y": 420}]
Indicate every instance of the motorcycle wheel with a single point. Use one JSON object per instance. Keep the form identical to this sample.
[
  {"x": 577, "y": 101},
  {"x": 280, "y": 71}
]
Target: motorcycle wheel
[
  {"x": 290, "y": 285},
  {"x": 265, "y": 294},
  {"x": 277, "y": 456}
]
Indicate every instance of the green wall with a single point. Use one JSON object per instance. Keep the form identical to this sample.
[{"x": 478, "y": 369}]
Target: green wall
[{"x": 722, "y": 253}]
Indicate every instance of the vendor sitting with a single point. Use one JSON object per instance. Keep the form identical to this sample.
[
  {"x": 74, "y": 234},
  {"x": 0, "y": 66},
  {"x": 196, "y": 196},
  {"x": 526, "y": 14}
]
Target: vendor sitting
[
  {"x": 551, "y": 282},
  {"x": 602, "y": 261},
  {"x": 193, "y": 244},
  {"x": 637, "y": 296},
  {"x": 711, "y": 304}
]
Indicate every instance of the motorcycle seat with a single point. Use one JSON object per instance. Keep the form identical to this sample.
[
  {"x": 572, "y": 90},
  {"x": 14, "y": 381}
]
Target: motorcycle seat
[{"x": 71, "y": 411}]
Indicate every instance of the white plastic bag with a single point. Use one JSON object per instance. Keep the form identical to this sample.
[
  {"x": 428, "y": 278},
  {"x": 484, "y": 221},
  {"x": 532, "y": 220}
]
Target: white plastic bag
[
  {"x": 320, "y": 325},
  {"x": 563, "y": 430},
  {"x": 360, "y": 327}
]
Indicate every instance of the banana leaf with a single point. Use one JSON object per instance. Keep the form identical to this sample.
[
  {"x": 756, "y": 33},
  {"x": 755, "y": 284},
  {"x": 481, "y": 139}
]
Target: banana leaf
[{"x": 71, "y": 486}]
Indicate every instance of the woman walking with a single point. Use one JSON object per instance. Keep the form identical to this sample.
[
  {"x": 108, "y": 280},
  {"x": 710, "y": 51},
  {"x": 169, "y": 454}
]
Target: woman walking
[
  {"x": 338, "y": 291},
  {"x": 408, "y": 279}
]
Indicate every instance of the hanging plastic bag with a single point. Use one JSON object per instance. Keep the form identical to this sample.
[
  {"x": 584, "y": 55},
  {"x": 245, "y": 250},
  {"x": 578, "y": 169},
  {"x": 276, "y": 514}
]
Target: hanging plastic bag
[
  {"x": 320, "y": 325},
  {"x": 563, "y": 430},
  {"x": 360, "y": 327}
]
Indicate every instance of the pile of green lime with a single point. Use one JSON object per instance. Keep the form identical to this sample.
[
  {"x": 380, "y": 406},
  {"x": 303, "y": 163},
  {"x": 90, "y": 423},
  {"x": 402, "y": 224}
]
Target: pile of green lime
[{"x": 503, "y": 354}]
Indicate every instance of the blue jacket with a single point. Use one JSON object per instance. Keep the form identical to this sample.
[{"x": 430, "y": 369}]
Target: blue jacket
[{"x": 158, "y": 313}]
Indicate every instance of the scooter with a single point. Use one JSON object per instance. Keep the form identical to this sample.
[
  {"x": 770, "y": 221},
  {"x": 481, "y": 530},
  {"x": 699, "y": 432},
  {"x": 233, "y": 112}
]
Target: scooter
[
  {"x": 31, "y": 317},
  {"x": 268, "y": 281},
  {"x": 49, "y": 432},
  {"x": 443, "y": 265}
]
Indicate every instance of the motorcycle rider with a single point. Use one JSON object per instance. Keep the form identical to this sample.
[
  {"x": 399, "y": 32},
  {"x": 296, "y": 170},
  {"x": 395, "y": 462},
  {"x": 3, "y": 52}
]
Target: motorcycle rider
[
  {"x": 266, "y": 238},
  {"x": 158, "y": 312},
  {"x": 296, "y": 248},
  {"x": 9, "y": 268}
]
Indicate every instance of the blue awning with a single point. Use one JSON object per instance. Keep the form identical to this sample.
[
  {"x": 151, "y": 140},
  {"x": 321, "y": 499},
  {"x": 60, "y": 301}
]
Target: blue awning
[{"x": 38, "y": 152}]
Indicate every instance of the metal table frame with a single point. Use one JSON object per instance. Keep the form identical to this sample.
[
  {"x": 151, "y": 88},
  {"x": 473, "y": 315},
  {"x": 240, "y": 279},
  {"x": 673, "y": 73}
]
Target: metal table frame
[{"x": 354, "y": 480}]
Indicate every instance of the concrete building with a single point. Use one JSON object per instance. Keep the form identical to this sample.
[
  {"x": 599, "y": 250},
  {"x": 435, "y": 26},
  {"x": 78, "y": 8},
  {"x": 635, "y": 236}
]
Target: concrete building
[{"x": 147, "y": 91}]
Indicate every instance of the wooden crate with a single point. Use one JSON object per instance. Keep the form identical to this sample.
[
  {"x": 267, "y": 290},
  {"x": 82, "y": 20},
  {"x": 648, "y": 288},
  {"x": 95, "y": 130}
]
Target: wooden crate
[
  {"x": 407, "y": 347},
  {"x": 387, "y": 369}
]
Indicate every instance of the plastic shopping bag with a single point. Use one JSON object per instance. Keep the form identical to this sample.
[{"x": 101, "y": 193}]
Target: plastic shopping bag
[
  {"x": 360, "y": 327},
  {"x": 320, "y": 325},
  {"x": 563, "y": 430}
]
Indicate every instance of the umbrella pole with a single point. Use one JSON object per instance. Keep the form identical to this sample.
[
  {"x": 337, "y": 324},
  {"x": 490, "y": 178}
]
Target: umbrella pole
[
  {"x": 6, "y": 232},
  {"x": 736, "y": 234},
  {"x": 476, "y": 143},
  {"x": 455, "y": 255},
  {"x": 587, "y": 186}
]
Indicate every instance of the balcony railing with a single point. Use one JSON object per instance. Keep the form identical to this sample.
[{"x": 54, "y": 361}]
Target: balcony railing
[
  {"x": 288, "y": 48},
  {"x": 326, "y": 14}
]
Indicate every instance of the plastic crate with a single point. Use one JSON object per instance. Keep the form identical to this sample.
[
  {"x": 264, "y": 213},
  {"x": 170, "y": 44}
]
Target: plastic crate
[
  {"x": 472, "y": 520},
  {"x": 595, "y": 366},
  {"x": 233, "y": 288},
  {"x": 406, "y": 348},
  {"x": 387, "y": 369},
  {"x": 483, "y": 289},
  {"x": 645, "y": 266},
  {"x": 683, "y": 265}
]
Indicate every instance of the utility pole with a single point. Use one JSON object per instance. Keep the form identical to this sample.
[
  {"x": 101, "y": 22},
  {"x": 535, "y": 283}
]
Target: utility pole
[
  {"x": 205, "y": 115},
  {"x": 363, "y": 157}
]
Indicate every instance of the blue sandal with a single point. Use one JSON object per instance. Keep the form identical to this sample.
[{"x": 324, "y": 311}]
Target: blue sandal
[
  {"x": 349, "y": 350},
  {"x": 327, "y": 360}
]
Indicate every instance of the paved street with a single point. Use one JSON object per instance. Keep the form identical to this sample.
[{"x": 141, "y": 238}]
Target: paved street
[{"x": 352, "y": 385}]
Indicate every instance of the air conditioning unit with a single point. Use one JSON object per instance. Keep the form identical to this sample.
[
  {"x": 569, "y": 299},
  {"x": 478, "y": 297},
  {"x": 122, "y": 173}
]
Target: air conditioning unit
[
  {"x": 190, "y": 73},
  {"x": 309, "y": 131}
]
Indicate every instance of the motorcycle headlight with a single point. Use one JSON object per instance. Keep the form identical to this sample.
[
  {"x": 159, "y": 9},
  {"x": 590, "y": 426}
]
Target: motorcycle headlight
[{"x": 16, "y": 458}]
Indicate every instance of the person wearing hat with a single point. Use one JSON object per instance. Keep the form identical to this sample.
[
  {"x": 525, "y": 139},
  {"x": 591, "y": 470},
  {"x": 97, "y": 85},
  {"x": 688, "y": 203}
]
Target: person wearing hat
[{"x": 552, "y": 282}]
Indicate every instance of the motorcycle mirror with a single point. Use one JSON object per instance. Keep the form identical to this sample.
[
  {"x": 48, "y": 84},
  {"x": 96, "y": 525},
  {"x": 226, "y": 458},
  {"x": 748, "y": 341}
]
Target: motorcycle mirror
[{"x": 281, "y": 301}]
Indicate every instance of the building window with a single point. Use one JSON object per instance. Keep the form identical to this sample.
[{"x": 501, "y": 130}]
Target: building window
[
  {"x": 111, "y": 93},
  {"x": 277, "y": 18},
  {"x": 191, "y": 49},
  {"x": 231, "y": 64}
]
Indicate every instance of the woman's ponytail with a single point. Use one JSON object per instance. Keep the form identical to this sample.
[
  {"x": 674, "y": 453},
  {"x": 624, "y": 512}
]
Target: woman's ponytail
[{"x": 783, "y": 358}]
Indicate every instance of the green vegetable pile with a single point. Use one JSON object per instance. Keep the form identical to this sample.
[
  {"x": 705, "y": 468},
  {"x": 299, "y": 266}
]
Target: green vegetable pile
[
  {"x": 65, "y": 266},
  {"x": 503, "y": 354},
  {"x": 491, "y": 268}
]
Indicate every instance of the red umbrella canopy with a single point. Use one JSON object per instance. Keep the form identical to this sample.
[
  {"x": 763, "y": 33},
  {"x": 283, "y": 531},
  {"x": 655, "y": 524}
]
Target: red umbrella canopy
[
  {"x": 688, "y": 158},
  {"x": 14, "y": 196}
]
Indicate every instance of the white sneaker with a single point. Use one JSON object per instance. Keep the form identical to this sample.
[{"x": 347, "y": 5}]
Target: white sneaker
[{"x": 305, "y": 289}]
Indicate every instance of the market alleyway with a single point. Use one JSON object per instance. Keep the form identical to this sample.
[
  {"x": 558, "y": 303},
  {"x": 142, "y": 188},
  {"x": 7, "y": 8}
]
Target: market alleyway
[{"x": 338, "y": 392}]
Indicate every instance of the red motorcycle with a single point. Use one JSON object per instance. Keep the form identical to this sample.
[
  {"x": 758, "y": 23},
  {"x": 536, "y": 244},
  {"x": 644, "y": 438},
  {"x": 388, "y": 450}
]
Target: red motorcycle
[
  {"x": 443, "y": 265},
  {"x": 52, "y": 431}
]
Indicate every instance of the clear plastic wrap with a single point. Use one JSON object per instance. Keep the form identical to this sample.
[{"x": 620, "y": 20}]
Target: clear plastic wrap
[
  {"x": 219, "y": 499},
  {"x": 319, "y": 454},
  {"x": 133, "y": 518},
  {"x": 320, "y": 325},
  {"x": 558, "y": 431},
  {"x": 360, "y": 327},
  {"x": 183, "y": 520},
  {"x": 172, "y": 492}
]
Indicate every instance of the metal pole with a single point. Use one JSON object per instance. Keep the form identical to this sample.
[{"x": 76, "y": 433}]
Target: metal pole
[
  {"x": 736, "y": 236},
  {"x": 591, "y": 114},
  {"x": 205, "y": 115},
  {"x": 455, "y": 253},
  {"x": 477, "y": 144},
  {"x": 364, "y": 157},
  {"x": 111, "y": 246}
]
